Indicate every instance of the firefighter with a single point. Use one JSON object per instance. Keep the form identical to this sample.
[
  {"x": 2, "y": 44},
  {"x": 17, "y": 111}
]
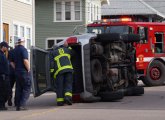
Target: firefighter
[
  {"x": 4, "y": 71},
  {"x": 63, "y": 74},
  {"x": 22, "y": 72}
]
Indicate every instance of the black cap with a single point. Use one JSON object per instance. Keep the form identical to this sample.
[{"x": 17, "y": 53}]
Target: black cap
[{"x": 5, "y": 44}]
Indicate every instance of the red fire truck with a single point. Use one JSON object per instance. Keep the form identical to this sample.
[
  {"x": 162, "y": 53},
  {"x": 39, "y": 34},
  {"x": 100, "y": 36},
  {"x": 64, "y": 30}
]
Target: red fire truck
[{"x": 150, "y": 51}]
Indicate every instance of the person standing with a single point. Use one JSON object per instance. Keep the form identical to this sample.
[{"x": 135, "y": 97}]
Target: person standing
[
  {"x": 4, "y": 71},
  {"x": 12, "y": 78},
  {"x": 63, "y": 74},
  {"x": 22, "y": 72}
]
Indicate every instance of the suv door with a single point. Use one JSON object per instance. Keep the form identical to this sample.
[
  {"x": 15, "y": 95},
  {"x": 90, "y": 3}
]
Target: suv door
[{"x": 40, "y": 67}]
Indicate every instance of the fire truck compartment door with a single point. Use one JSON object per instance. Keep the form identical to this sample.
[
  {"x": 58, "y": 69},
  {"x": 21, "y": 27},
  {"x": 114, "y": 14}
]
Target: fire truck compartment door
[{"x": 40, "y": 68}]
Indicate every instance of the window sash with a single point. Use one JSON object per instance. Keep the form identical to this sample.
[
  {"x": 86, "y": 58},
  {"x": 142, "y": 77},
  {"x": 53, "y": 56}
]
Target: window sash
[
  {"x": 22, "y": 31},
  {"x": 77, "y": 5},
  {"x": 69, "y": 11},
  {"x": 28, "y": 33},
  {"x": 15, "y": 30},
  {"x": 77, "y": 15},
  {"x": 58, "y": 11},
  {"x": 77, "y": 10},
  {"x": 67, "y": 15}
]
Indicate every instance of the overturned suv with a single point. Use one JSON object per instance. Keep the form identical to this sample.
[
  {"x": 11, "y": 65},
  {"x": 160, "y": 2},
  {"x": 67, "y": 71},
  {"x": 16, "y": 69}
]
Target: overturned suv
[{"x": 104, "y": 67}]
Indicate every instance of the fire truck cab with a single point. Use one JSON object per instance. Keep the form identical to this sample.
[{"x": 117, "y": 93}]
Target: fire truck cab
[{"x": 150, "y": 51}]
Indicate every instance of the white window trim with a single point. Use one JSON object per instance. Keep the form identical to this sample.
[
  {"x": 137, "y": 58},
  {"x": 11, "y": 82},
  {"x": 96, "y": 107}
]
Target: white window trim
[
  {"x": 52, "y": 38},
  {"x": 72, "y": 11},
  {"x": 25, "y": 25},
  {"x": 93, "y": 11},
  {"x": 24, "y": 1}
]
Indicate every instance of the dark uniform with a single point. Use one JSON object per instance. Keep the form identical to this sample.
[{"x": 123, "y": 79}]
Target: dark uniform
[
  {"x": 4, "y": 83},
  {"x": 23, "y": 79},
  {"x": 63, "y": 74},
  {"x": 12, "y": 78}
]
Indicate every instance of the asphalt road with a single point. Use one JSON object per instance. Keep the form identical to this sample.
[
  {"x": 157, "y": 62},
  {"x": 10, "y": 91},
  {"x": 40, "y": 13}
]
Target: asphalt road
[{"x": 150, "y": 106}]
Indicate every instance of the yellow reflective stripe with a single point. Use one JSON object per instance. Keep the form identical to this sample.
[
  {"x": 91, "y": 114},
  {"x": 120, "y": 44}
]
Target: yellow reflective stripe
[
  {"x": 62, "y": 55},
  {"x": 60, "y": 99},
  {"x": 51, "y": 70},
  {"x": 58, "y": 63},
  {"x": 61, "y": 51},
  {"x": 62, "y": 68},
  {"x": 68, "y": 94},
  {"x": 57, "y": 59},
  {"x": 69, "y": 48}
]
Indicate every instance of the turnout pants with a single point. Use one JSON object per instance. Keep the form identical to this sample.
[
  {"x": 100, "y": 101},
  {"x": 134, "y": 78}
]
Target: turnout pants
[
  {"x": 64, "y": 86},
  {"x": 23, "y": 88}
]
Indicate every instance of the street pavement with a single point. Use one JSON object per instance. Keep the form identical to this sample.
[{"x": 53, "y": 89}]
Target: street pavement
[{"x": 150, "y": 106}]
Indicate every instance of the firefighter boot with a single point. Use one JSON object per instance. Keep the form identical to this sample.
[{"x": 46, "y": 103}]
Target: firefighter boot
[
  {"x": 68, "y": 101},
  {"x": 60, "y": 103}
]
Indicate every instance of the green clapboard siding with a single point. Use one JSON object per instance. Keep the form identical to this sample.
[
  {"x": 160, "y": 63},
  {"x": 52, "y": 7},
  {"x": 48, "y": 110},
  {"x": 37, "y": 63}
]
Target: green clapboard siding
[{"x": 44, "y": 25}]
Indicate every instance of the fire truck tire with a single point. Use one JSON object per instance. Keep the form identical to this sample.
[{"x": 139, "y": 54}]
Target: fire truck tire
[
  {"x": 96, "y": 71},
  {"x": 160, "y": 68},
  {"x": 130, "y": 38},
  {"x": 134, "y": 91},
  {"x": 108, "y": 37},
  {"x": 111, "y": 96}
]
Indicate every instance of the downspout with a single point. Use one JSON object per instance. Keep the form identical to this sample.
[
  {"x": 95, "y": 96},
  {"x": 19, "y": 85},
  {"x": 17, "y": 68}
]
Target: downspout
[
  {"x": 1, "y": 32},
  {"x": 33, "y": 23}
]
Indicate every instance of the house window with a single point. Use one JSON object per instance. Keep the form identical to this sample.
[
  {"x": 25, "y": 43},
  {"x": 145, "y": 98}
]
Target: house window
[
  {"x": 15, "y": 33},
  {"x": 50, "y": 42},
  {"x": 88, "y": 10},
  {"x": 58, "y": 11},
  {"x": 77, "y": 10},
  {"x": 67, "y": 10},
  {"x": 93, "y": 11},
  {"x": 97, "y": 13},
  {"x": 22, "y": 30},
  {"x": 28, "y": 35}
]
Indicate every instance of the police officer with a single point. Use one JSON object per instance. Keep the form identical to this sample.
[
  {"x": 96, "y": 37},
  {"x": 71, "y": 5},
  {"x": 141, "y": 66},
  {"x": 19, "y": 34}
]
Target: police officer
[
  {"x": 12, "y": 78},
  {"x": 22, "y": 72},
  {"x": 4, "y": 83},
  {"x": 63, "y": 71}
]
